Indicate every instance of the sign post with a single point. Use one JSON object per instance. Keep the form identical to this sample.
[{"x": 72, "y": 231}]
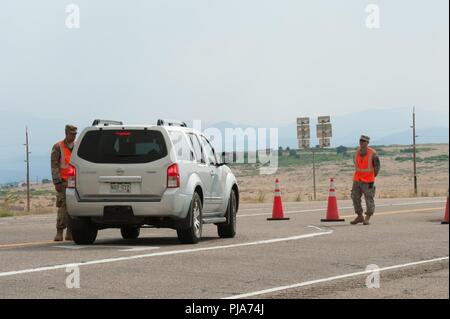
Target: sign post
[{"x": 324, "y": 134}]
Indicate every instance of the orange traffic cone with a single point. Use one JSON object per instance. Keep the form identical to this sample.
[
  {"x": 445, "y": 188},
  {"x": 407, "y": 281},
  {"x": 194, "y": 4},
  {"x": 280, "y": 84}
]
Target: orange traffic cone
[
  {"x": 445, "y": 221},
  {"x": 277, "y": 212},
  {"x": 332, "y": 209}
]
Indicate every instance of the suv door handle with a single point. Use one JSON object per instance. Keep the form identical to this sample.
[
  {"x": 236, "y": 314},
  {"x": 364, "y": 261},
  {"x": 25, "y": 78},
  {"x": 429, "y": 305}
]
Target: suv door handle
[{"x": 212, "y": 173}]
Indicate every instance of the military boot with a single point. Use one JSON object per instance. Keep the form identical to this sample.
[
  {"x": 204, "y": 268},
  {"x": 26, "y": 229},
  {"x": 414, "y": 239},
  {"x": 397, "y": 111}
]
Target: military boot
[
  {"x": 59, "y": 235},
  {"x": 69, "y": 234},
  {"x": 358, "y": 219},
  {"x": 367, "y": 219}
]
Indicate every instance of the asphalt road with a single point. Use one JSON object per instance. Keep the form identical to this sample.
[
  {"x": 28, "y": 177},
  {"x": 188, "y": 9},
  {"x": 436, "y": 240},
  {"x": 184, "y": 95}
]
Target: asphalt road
[{"x": 298, "y": 258}]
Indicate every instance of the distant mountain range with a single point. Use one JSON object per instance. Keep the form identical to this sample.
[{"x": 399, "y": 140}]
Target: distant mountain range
[
  {"x": 386, "y": 127},
  {"x": 424, "y": 136}
]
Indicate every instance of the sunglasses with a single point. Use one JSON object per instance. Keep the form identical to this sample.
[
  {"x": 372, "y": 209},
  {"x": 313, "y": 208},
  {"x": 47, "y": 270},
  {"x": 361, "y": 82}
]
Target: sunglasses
[{"x": 363, "y": 141}]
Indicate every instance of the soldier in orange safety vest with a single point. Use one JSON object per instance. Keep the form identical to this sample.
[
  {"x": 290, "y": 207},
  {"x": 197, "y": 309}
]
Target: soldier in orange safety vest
[
  {"x": 60, "y": 158},
  {"x": 367, "y": 167}
]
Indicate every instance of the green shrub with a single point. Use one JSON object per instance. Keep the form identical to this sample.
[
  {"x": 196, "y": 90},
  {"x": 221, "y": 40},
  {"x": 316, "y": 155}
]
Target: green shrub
[
  {"x": 5, "y": 214},
  {"x": 341, "y": 150},
  {"x": 418, "y": 150},
  {"x": 261, "y": 197},
  {"x": 405, "y": 159},
  {"x": 437, "y": 158}
]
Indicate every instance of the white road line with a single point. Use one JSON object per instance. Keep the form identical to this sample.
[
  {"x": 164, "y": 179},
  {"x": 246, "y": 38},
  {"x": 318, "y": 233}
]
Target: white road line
[
  {"x": 420, "y": 203},
  {"x": 70, "y": 247},
  {"x": 286, "y": 212},
  {"x": 268, "y": 206},
  {"x": 139, "y": 248},
  {"x": 315, "y": 227},
  {"x": 165, "y": 253},
  {"x": 251, "y": 209},
  {"x": 313, "y": 282},
  {"x": 340, "y": 208}
]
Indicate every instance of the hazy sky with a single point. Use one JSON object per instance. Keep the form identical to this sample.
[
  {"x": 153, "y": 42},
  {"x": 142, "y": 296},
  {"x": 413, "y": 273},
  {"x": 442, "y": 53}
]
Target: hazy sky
[{"x": 245, "y": 61}]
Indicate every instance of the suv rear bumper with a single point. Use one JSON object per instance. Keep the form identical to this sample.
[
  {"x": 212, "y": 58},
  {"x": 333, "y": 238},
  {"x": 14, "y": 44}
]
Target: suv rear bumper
[{"x": 172, "y": 204}]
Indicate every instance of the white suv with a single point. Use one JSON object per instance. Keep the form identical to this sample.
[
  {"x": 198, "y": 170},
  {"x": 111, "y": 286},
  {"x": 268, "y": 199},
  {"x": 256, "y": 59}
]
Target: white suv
[{"x": 133, "y": 176}]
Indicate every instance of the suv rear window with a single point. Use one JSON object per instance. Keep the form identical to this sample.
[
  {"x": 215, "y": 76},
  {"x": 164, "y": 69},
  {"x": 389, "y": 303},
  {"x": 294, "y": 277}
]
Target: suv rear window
[{"x": 122, "y": 146}]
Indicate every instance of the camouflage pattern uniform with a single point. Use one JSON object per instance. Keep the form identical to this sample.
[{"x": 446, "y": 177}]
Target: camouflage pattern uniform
[
  {"x": 62, "y": 217},
  {"x": 366, "y": 189}
]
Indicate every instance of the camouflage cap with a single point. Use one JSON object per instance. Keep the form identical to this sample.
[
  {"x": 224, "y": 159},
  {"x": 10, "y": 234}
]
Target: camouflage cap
[
  {"x": 365, "y": 138},
  {"x": 71, "y": 129}
]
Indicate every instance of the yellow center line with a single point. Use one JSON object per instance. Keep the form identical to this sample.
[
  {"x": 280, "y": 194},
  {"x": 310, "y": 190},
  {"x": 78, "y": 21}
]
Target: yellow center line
[
  {"x": 406, "y": 211},
  {"x": 32, "y": 243}
]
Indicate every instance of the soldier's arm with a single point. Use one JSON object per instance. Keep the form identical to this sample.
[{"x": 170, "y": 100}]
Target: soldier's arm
[
  {"x": 54, "y": 159},
  {"x": 376, "y": 164}
]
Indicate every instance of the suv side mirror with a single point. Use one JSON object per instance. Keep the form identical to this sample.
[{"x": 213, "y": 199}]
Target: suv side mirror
[{"x": 222, "y": 160}]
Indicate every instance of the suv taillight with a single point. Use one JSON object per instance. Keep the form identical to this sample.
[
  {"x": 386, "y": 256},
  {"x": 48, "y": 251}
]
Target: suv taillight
[
  {"x": 72, "y": 177},
  {"x": 173, "y": 176}
]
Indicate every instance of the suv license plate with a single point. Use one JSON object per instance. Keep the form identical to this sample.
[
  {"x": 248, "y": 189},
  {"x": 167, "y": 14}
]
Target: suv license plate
[{"x": 120, "y": 187}]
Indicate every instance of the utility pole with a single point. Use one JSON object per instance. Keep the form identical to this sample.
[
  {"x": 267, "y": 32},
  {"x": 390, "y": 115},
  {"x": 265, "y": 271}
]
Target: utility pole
[
  {"x": 28, "y": 168},
  {"x": 414, "y": 151}
]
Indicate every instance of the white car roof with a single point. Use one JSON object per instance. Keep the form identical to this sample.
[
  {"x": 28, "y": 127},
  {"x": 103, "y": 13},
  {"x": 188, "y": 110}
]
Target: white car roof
[{"x": 143, "y": 126}]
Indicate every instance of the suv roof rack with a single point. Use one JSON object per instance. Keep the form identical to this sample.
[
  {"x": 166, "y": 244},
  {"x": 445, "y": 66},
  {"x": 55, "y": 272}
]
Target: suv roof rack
[
  {"x": 106, "y": 122},
  {"x": 171, "y": 123}
]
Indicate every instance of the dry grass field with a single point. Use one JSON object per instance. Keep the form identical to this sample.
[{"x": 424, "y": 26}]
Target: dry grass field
[
  {"x": 295, "y": 174},
  {"x": 395, "y": 178}
]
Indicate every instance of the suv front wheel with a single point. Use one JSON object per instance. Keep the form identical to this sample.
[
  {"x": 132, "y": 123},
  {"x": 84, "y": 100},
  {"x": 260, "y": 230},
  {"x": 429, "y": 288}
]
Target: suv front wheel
[
  {"x": 228, "y": 229},
  {"x": 193, "y": 233}
]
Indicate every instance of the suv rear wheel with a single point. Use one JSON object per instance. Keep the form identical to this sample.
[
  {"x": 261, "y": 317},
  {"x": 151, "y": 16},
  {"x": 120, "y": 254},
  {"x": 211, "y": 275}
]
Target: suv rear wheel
[
  {"x": 130, "y": 232},
  {"x": 228, "y": 229},
  {"x": 84, "y": 232},
  {"x": 193, "y": 233}
]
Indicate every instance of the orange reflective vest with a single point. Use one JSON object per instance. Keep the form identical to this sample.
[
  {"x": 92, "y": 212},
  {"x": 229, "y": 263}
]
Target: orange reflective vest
[
  {"x": 364, "y": 170},
  {"x": 64, "y": 161}
]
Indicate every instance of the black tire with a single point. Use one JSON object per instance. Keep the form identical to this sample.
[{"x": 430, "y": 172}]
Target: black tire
[
  {"x": 130, "y": 232},
  {"x": 84, "y": 232},
  {"x": 193, "y": 233},
  {"x": 228, "y": 229}
]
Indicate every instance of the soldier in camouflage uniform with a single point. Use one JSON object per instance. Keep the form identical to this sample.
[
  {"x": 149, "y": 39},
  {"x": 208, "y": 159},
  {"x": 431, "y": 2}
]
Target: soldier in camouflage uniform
[
  {"x": 60, "y": 157},
  {"x": 367, "y": 167}
]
